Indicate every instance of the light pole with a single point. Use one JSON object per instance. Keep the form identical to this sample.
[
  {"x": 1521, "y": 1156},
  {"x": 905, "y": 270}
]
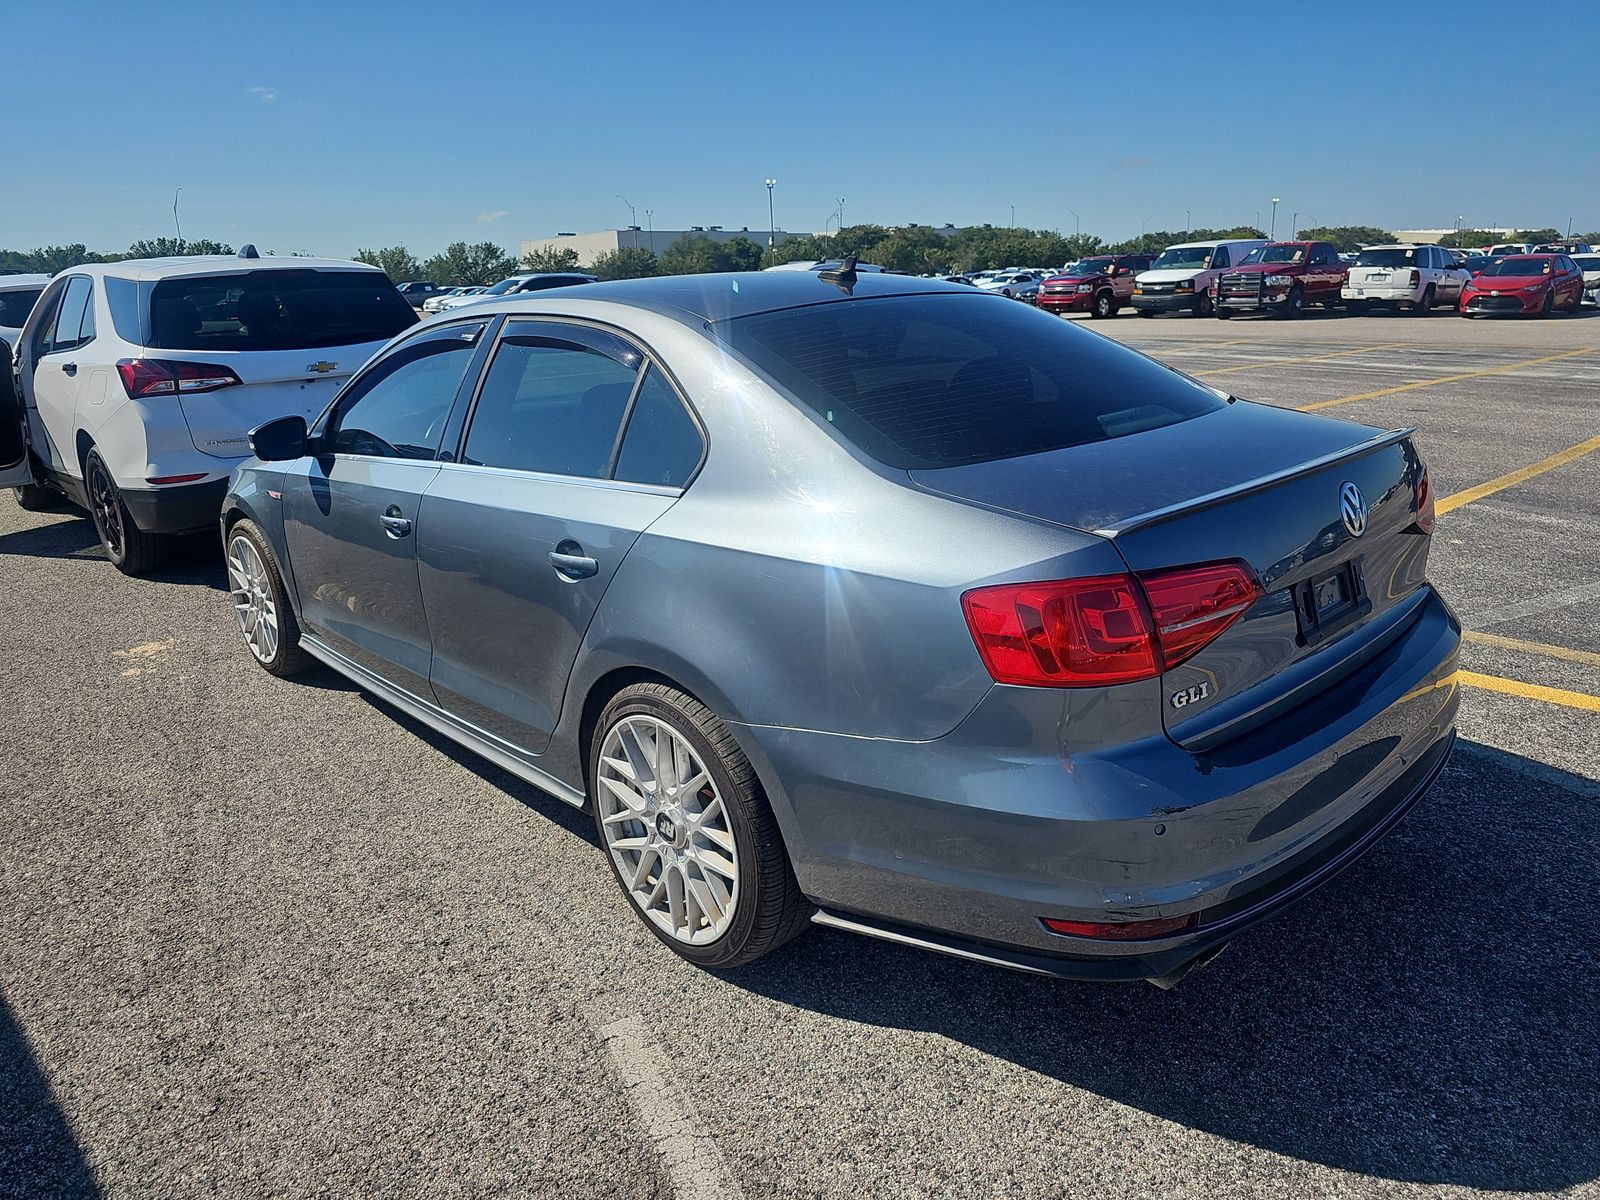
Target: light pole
[
  {"x": 1074, "y": 221},
  {"x": 175, "y": 218},
  {"x": 633, "y": 220},
  {"x": 772, "y": 221},
  {"x": 1294, "y": 225},
  {"x": 1013, "y": 216},
  {"x": 841, "y": 212},
  {"x": 1187, "y": 222},
  {"x": 1273, "y": 228},
  {"x": 650, "y": 220},
  {"x": 1258, "y": 219}
]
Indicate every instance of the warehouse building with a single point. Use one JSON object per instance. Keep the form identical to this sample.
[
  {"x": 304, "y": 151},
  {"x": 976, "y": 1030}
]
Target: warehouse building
[{"x": 591, "y": 245}]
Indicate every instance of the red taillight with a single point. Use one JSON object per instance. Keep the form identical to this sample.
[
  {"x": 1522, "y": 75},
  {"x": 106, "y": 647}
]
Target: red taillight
[
  {"x": 1426, "y": 513},
  {"x": 1105, "y": 629},
  {"x": 1416, "y": 277},
  {"x": 1192, "y": 605},
  {"x": 1123, "y": 931},
  {"x": 162, "y": 377},
  {"x": 1073, "y": 633}
]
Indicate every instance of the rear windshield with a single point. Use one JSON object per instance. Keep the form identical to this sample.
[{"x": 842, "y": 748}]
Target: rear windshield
[
  {"x": 1387, "y": 258},
  {"x": 1586, "y": 262},
  {"x": 1516, "y": 265},
  {"x": 942, "y": 381},
  {"x": 1276, "y": 254},
  {"x": 276, "y": 310},
  {"x": 16, "y": 305}
]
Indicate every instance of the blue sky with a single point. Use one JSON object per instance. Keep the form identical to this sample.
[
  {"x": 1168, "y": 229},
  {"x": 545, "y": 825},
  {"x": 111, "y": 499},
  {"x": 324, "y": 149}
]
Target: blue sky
[{"x": 327, "y": 126}]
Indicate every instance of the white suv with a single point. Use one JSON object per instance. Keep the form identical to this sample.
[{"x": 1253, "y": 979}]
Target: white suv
[
  {"x": 138, "y": 382},
  {"x": 1420, "y": 277}
]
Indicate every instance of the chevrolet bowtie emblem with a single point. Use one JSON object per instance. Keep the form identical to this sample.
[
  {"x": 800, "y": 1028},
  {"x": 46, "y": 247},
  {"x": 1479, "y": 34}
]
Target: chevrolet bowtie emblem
[{"x": 322, "y": 368}]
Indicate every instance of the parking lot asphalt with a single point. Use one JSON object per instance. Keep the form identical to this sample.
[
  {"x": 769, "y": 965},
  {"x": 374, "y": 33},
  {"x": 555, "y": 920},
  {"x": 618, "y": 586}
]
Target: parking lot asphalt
[{"x": 271, "y": 938}]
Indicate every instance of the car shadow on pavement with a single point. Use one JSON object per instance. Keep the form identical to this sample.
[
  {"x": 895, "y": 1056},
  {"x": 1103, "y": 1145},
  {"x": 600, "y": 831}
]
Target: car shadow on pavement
[
  {"x": 1431, "y": 1015},
  {"x": 39, "y": 1157},
  {"x": 196, "y": 558}
]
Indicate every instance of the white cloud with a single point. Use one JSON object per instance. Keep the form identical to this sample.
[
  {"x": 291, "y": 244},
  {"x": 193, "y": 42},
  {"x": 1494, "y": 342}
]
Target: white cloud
[
  {"x": 265, "y": 94},
  {"x": 489, "y": 218}
]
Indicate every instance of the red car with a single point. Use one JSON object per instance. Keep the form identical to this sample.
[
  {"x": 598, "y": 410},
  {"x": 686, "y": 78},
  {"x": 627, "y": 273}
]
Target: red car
[
  {"x": 1098, "y": 285},
  {"x": 1524, "y": 283}
]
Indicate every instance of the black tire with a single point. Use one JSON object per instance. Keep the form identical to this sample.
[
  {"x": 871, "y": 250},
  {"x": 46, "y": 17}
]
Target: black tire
[
  {"x": 1221, "y": 313},
  {"x": 1293, "y": 306},
  {"x": 33, "y": 497},
  {"x": 287, "y": 658},
  {"x": 1549, "y": 304},
  {"x": 1424, "y": 307},
  {"x": 778, "y": 910},
  {"x": 1145, "y": 312},
  {"x": 1105, "y": 305},
  {"x": 1357, "y": 308},
  {"x": 128, "y": 548},
  {"x": 1203, "y": 307}
]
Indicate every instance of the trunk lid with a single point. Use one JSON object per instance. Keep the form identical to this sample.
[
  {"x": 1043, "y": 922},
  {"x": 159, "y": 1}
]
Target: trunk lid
[{"x": 1251, "y": 483}]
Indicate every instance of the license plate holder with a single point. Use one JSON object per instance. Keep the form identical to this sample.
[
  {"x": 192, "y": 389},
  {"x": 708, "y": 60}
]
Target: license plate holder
[{"x": 1328, "y": 603}]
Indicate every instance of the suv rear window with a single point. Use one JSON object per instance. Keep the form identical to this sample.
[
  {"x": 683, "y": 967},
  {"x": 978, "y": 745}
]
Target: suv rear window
[
  {"x": 947, "y": 380},
  {"x": 1396, "y": 257},
  {"x": 276, "y": 310}
]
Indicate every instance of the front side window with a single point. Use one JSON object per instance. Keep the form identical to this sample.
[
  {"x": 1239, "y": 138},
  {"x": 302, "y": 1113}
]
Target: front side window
[
  {"x": 949, "y": 379},
  {"x": 283, "y": 309},
  {"x": 399, "y": 408},
  {"x": 552, "y": 403}
]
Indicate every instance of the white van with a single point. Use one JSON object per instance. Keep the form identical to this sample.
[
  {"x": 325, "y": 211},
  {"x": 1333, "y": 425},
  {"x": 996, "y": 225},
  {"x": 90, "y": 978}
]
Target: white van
[{"x": 1183, "y": 278}]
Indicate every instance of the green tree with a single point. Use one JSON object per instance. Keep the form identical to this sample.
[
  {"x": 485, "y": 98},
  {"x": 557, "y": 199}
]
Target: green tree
[
  {"x": 629, "y": 262},
  {"x": 398, "y": 263},
  {"x": 1535, "y": 236},
  {"x": 1346, "y": 237},
  {"x": 740, "y": 254},
  {"x": 50, "y": 259},
  {"x": 461, "y": 265},
  {"x": 563, "y": 259},
  {"x": 798, "y": 249},
  {"x": 1469, "y": 238},
  {"x": 165, "y": 247},
  {"x": 696, "y": 254}
]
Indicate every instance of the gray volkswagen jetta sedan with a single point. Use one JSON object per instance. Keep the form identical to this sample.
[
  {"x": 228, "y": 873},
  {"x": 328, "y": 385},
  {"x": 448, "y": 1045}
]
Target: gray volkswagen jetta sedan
[{"x": 872, "y": 602}]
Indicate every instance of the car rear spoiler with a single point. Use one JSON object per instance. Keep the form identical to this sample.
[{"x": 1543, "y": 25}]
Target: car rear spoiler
[{"x": 1157, "y": 515}]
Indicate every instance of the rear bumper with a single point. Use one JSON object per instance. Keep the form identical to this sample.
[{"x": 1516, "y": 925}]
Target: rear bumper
[
  {"x": 964, "y": 843},
  {"x": 179, "y": 509},
  {"x": 1175, "y": 302},
  {"x": 1382, "y": 294}
]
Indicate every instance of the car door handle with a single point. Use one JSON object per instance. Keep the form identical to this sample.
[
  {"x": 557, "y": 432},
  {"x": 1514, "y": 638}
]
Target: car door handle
[
  {"x": 395, "y": 525},
  {"x": 571, "y": 563},
  {"x": 69, "y": 368}
]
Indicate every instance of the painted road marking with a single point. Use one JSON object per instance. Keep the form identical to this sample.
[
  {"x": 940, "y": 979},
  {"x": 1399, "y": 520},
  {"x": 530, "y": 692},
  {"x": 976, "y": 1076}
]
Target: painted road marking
[
  {"x": 692, "y": 1160},
  {"x": 1530, "y": 691},
  {"x": 1422, "y": 383},
  {"x": 1543, "y": 649},
  {"x": 1570, "y": 454},
  {"x": 1538, "y": 606},
  {"x": 1289, "y": 362}
]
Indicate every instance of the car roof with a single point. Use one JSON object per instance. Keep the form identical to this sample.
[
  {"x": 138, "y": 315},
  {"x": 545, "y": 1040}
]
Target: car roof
[
  {"x": 695, "y": 299},
  {"x": 213, "y": 264},
  {"x": 14, "y": 283}
]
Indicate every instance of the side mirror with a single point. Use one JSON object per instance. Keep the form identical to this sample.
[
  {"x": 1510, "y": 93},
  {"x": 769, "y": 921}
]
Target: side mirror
[{"x": 283, "y": 440}]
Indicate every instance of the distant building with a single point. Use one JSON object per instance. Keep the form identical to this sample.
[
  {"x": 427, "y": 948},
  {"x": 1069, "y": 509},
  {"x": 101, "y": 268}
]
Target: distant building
[
  {"x": 1425, "y": 237},
  {"x": 591, "y": 245}
]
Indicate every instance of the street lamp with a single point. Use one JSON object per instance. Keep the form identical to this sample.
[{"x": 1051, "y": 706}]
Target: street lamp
[
  {"x": 1274, "y": 226},
  {"x": 650, "y": 220},
  {"x": 1013, "y": 216},
  {"x": 1294, "y": 224},
  {"x": 1074, "y": 221},
  {"x": 175, "y": 220},
  {"x": 772, "y": 221},
  {"x": 633, "y": 220},
  {"x": 1187, "y": 222}
]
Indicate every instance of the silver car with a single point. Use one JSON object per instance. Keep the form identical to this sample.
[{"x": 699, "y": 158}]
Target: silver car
[{"x": 875, "y": 602}]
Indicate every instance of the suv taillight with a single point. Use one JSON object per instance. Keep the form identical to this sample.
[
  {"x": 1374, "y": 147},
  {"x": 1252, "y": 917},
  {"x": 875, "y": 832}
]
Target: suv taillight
[
  {"x": 1107, "y": 628},
  {"x": 1416, "y": 277},
  {"x": 163, "y": 377}
]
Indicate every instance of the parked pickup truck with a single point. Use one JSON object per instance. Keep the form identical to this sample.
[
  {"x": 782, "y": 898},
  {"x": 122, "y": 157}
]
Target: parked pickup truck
[
  {"x": 1282, "y": 278},
  {"x": 1098, "y": 285},
  {"x": 1419, "y": 277}
]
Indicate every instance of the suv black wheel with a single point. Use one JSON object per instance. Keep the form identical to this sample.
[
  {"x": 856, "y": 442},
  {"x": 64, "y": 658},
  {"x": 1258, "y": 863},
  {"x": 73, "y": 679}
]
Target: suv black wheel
[
  {"x": 1105, "y": 305},
  {"x": 33, "y": 497},
  {"x": 1424, "y": 307},
  {"x": 130, "y": 549},
  {"x": 689, "y": 835}
]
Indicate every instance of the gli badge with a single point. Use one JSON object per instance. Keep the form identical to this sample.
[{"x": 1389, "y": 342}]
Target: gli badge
[{"x": 1184, "y": 697}]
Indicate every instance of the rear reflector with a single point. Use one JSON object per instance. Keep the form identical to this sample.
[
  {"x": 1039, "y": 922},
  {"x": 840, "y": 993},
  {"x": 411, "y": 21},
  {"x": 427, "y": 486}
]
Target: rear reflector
[
  {"x": 1427, "y": 515},
  {"x": 1107, "y": 628},
  {"x": 162, "y": 377},
  {"x": 1123, "y": 931},
  {"x": 161, "y": 479}
]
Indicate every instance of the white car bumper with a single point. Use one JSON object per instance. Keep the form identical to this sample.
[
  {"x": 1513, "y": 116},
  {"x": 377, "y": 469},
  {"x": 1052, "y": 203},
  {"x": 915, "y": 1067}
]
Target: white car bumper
[{"x": 1383, "y": 292}]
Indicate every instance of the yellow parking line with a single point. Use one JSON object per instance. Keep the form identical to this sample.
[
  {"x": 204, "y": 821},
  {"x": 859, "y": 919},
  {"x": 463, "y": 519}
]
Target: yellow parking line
[
  {"x": 1203, "y": 347},
  {"x": 1289, "y": 362},
  {"x": 1422, "y": 383},
  {"x": 1530, "y": 691},
  {"x": 1587, "y": 657},
  {"x": 1518, "y": 476}
]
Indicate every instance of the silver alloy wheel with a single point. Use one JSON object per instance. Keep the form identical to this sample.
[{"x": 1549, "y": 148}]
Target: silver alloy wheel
[
  {"x": 251, "y": 593},
  {"x": 667, "y": 830}
]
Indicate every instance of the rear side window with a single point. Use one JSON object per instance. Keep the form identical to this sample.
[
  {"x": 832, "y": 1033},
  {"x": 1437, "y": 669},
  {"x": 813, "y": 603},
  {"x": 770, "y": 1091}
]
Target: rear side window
[
  {"x": 74, "y": 314},
  {"x": 945, "y": 380},
  {"x": 15, "y": 306},
  {"x": 552, "y": 405},
  {"x": 662, "y": 444},
  {"x": 276, "y": 310}
]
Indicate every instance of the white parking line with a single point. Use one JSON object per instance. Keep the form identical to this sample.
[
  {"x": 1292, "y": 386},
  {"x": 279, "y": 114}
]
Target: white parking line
[
  {"x": 1539, "y": 605},
  {"x": 693, "y": 1162}
]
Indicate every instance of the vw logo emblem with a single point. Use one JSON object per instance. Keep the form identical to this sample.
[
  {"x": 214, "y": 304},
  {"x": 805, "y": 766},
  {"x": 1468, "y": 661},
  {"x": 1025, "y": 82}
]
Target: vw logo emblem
[{"x": 1353, "y": 508}]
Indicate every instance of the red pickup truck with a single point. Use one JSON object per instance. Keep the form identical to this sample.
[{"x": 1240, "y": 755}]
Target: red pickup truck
[
  {"x": 1282, "y": 278},
  {"x": 1098, "y": 285}
]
